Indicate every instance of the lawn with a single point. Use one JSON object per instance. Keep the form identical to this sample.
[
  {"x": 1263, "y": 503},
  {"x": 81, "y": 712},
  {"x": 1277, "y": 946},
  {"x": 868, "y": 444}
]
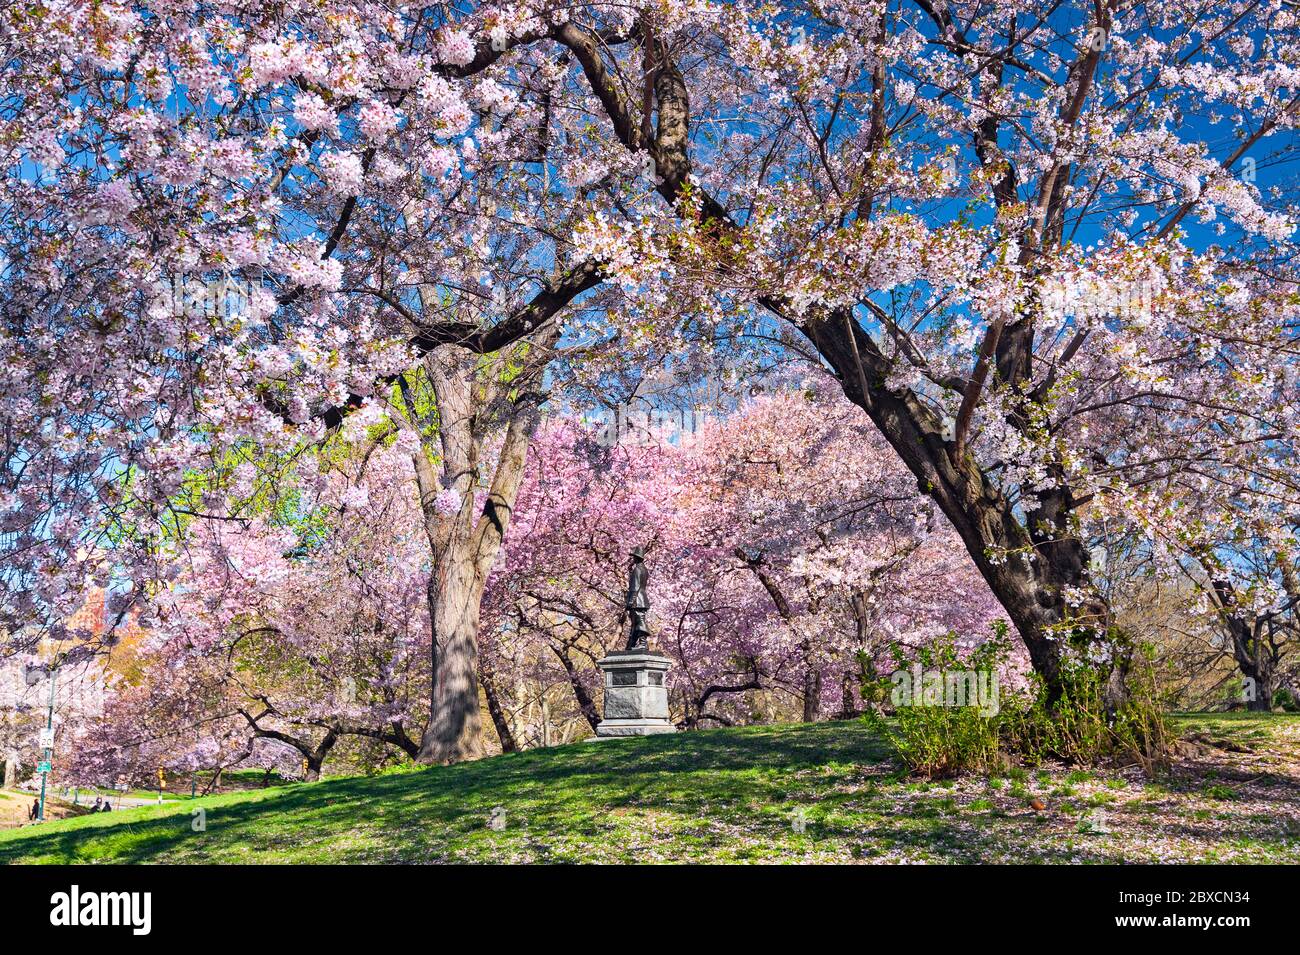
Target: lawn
[{"x": 806, "y": 793}]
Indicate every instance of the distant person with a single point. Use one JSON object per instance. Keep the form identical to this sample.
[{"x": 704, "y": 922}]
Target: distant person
[
  {"x": 35, "y": 811},
  {"x": 99, "y": 802},
  {"x": 108, "y": 806}
]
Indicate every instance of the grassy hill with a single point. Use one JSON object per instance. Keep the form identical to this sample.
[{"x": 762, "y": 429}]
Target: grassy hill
[{"x": 730, "y": 795}]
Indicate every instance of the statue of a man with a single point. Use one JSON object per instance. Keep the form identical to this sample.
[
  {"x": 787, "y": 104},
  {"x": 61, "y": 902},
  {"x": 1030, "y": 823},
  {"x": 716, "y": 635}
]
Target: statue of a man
[{"x": 637, "y": 603}]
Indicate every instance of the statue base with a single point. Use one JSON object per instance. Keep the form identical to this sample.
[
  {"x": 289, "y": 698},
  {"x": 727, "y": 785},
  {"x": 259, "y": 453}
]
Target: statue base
[{"x": 636, "y": 694}]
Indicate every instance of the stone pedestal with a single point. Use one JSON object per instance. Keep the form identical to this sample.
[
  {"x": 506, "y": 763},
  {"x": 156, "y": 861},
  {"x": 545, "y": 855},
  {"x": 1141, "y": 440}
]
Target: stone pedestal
[{"x": 636, "y": 697}]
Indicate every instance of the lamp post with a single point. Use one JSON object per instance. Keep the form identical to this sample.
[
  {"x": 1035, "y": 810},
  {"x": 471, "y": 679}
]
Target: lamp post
[{"x": 48, "y": 741}]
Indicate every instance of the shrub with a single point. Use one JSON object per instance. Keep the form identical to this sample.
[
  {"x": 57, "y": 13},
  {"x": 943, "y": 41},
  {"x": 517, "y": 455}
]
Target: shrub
[
  {"x": 1078, "y": 726},
  {"x": 937, "y": 740}
]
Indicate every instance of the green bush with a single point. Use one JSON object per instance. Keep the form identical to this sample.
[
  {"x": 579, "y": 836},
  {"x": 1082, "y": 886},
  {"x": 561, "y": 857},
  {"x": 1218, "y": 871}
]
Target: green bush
[
  {"x": 939, "y": 741},
  {"x": 1284, "y": 699},
  {"x": 1078, "y": 726},
  {"x": 1081, "y": 727},
  {"x": 936, "y": 740}
]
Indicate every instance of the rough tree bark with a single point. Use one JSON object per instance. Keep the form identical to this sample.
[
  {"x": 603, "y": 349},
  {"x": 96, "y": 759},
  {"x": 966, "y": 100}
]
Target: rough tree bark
[
  {"x": 464, "y": 546},
  {"x": 1030, "y": 566}
]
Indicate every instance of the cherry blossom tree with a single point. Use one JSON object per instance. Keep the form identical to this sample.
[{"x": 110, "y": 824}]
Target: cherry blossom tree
[
  {"x": 282, "y": 640},
  {"x": 813, "y": 564},
  {"x": 554, "y": 603},
  {"x": 777, "y": 564},
  {"x": 1243, "y": 571},
  {"x": 466, "y": 505},
  {"x": 1046, "y": 250},
  {"x": 224, "y": 223},
  {"x": 285, "y": 209},
  {"x": 782, "y": 572},
  {"x": 1006, "y": 230}
]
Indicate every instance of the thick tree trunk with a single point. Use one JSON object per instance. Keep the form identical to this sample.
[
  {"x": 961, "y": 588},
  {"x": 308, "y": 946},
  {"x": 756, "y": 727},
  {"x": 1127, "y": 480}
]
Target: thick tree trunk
[
  {"x": 1253, "y": 652},
  {"x": 455, "y": 731},
  {"x": 1033, "y": 568},
  {"x": 1255, "y": 662},
  {"x": 1263, "y": 699},
  {"x": 465, "y": 547},
  {"x": 812, "y": 693},
  {"x": 848, "y": 709}
]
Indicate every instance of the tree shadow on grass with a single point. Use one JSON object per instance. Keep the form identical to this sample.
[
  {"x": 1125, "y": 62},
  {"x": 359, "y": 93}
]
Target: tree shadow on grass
[{"x": 427, "y": 814}]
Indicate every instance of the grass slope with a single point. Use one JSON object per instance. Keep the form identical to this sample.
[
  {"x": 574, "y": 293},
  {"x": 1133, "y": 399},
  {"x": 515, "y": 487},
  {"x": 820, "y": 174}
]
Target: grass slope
[{"x": 725, "y": 795}]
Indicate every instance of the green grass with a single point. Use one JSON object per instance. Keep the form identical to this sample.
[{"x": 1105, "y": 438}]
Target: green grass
[{"x": 827, "y": 792}]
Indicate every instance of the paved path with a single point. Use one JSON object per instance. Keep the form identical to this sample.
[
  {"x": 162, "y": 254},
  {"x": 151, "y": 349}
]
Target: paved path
[{"x": 122, "y": 802}]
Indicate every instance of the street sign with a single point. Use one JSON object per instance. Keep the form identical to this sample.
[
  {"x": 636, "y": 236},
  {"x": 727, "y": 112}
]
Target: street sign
[
  {"x": 43, "y": 766},
  {"x": 47, "y": 738}
]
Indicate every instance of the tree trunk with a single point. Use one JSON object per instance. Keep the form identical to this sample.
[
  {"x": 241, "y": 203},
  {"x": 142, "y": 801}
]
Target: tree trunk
[
  {"x": 1257, "y": 665},
  {"x": 848, "y": 710},
  {"x": 812, "y": 687},
  {"x": 585, "y": 703},
  {"x": 1254, "y": 655},
  {"x": 455, "y": 731},
  {"x": 316, "y": 757},
  {"x": 1032, "y": 568},
  {"x": 464, "y": 548},
  {"x": 313, "y": 756},
  {"x": 1263, "y": 699},
  {"x": 498, "y": 714}
]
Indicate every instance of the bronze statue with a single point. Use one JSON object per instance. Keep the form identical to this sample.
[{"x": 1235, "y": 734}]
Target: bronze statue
[{"x": 637, "y": 603}]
